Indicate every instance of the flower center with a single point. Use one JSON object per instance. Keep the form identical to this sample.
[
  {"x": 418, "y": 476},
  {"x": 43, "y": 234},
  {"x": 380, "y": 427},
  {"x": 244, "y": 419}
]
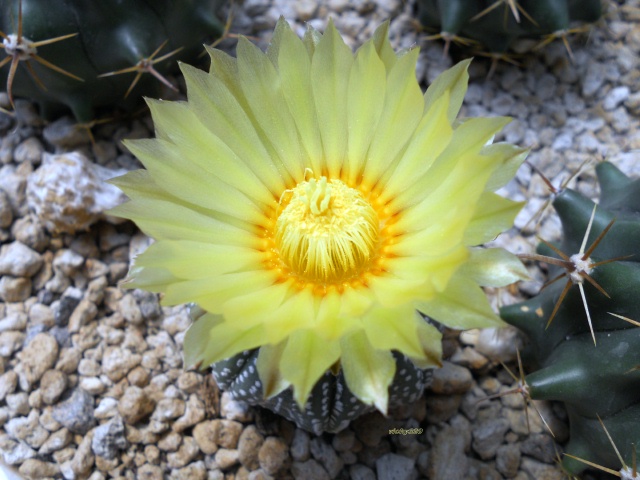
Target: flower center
[{"x": 327, "y": 232}]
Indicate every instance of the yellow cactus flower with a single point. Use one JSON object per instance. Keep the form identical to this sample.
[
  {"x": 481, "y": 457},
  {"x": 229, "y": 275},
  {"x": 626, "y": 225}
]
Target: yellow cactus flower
[{"x": 312, "y": 201}]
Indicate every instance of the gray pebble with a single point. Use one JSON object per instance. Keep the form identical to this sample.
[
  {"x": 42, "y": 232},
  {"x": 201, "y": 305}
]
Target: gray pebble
[
  {"x": 309, "y": 470},
  {"x": 396, "y": 467},
  {"x": 326, "y": 456},
  {"x": 29, "y": 151},
  {"x": 539, "y": 446},
  {"x": 451, "y": 379},
  {"x": 19, "y": 260},
  {"x": 615, "y": 97},
  {"x": 593, "y": 79},
  {"x": 76, "y": 412},
  {"x": 488, "y": 436},
  {"x": 448, "y": 459},
  {"x": 508, "y": 460},
  {"x": 109, "y": 438},
  {"x": 66, "y": 134},
  {"x": 300, "y": 446}
]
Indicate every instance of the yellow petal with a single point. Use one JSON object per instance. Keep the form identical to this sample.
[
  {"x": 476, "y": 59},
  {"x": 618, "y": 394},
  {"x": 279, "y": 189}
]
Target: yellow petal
[
  {"x": 429, "y": 140},
  {"x": 176, "y": 122},
  {"x": 493, "y": 215},
  {"x": 367, "y": 371},
  {"x": 330, "y": 67},
  {"x": 192, "y": 260},
  {"x": 304, "y": 360},
  {"x": 493, "y": 267},
  {"x": 211, "y": 292},
  {"x": 178, "y": 221},
  {"x": 463, "y": 305},
  {"x": 222, "y": 113},
  {"x": 467, "y": 141},
  {"x": 191, "y": 183},
  {"x": 367, "y": 87},
  {"x": 512, "y": 158},
  {"x": 400, "y": 116},
  {"x": 452, "y": 82},
  {"x": 268, "y": 366},
  {"x": 225, "y": 340},
  {"x": 294, "y": 65},
  {"x": 383, "y": 46},
  {"x": 394, "y": 329},
  {"x": 197, "y": 339},
  {"x": 262, "y": 89}
]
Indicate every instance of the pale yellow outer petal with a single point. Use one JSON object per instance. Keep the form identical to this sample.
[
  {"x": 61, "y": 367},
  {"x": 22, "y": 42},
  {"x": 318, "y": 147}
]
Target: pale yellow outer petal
[
  {"x": 194, "y": 185},
  {"x": 400, "y": 116},
  {"x": 367, "y": 371},
  {"x": 211, "y": 339},
  {"x": 462, "y": 305},
  {"x": 304, "y": 360},
  {"x": 493, "y": 215},
  {"x": 222, "y": 113},
  {"x": 176, "y": 122},
  {"x": 262, "y": 88},
  {"x": 178, "y": 220},
  {"x": 330, "y": 68},
  {"x": 268, "y": 366},
  {"x": 493, "y": 267},
  {"x": 452, "y": 82},
  {"x": 192, "y": 260},
  {"x": 367, "y": 90},
  {"x": 431, "y": 137},
  {"x": 468, "y": 139},
  {"x": 294, "y": 66}
]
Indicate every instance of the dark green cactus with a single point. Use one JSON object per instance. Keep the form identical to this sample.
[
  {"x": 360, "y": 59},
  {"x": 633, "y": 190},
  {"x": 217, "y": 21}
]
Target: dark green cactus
[
  {"x": 108, "y": 36},
  {"x": 496, "y": 24},
  {"x": 600, "y": 381}
]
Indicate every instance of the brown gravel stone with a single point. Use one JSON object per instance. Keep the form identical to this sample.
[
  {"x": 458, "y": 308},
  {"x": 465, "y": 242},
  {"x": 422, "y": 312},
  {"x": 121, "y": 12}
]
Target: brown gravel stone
[
  {"x": 185, "y": 454},
  {"x": 135, "y": 405},
  {"x": 37, "y": 469},
  {"x": 226, "y": 458},
  {"x": 249, "y": 446},
  {"x": 273, "y": 454},
  {"x": 52, "y": 384},
  {"x": 36, "y": 358}
]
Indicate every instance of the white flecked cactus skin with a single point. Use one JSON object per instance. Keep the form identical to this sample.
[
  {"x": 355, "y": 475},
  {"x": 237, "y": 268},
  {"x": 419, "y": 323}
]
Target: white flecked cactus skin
[{"x": 331, "y": 406}]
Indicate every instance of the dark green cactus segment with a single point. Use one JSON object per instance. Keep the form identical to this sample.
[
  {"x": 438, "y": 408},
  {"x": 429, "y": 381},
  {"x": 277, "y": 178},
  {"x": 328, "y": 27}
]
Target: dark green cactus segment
[
  {"x": 497, "y": 29},
  {"x": 111, "y": 35},
  {"x": 601, "y": 380},
  {"x": 588, "y": 440},
  {"x": 331, "y": 406},
  {"x": 571, "y": 373}
]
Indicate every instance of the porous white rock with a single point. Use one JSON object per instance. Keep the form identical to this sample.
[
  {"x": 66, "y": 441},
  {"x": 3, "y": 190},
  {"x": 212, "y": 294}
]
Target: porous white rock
[{"x": 69, "y": 193}]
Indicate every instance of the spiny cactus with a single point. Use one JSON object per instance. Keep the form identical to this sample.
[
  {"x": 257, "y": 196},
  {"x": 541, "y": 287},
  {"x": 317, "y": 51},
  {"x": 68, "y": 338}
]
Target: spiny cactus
[
  {"x": 496, "y": 24},
  {"x": 59, "y": 50},
  {"x": 583, "y": 330}
]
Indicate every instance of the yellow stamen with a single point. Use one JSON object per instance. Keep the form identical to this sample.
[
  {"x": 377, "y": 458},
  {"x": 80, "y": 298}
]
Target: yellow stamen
[{"x": 327, "y": 232}]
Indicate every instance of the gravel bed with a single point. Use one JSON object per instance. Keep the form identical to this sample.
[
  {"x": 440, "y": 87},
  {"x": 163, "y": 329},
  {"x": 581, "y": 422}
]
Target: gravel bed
[{"x": 92, "y": 383}]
